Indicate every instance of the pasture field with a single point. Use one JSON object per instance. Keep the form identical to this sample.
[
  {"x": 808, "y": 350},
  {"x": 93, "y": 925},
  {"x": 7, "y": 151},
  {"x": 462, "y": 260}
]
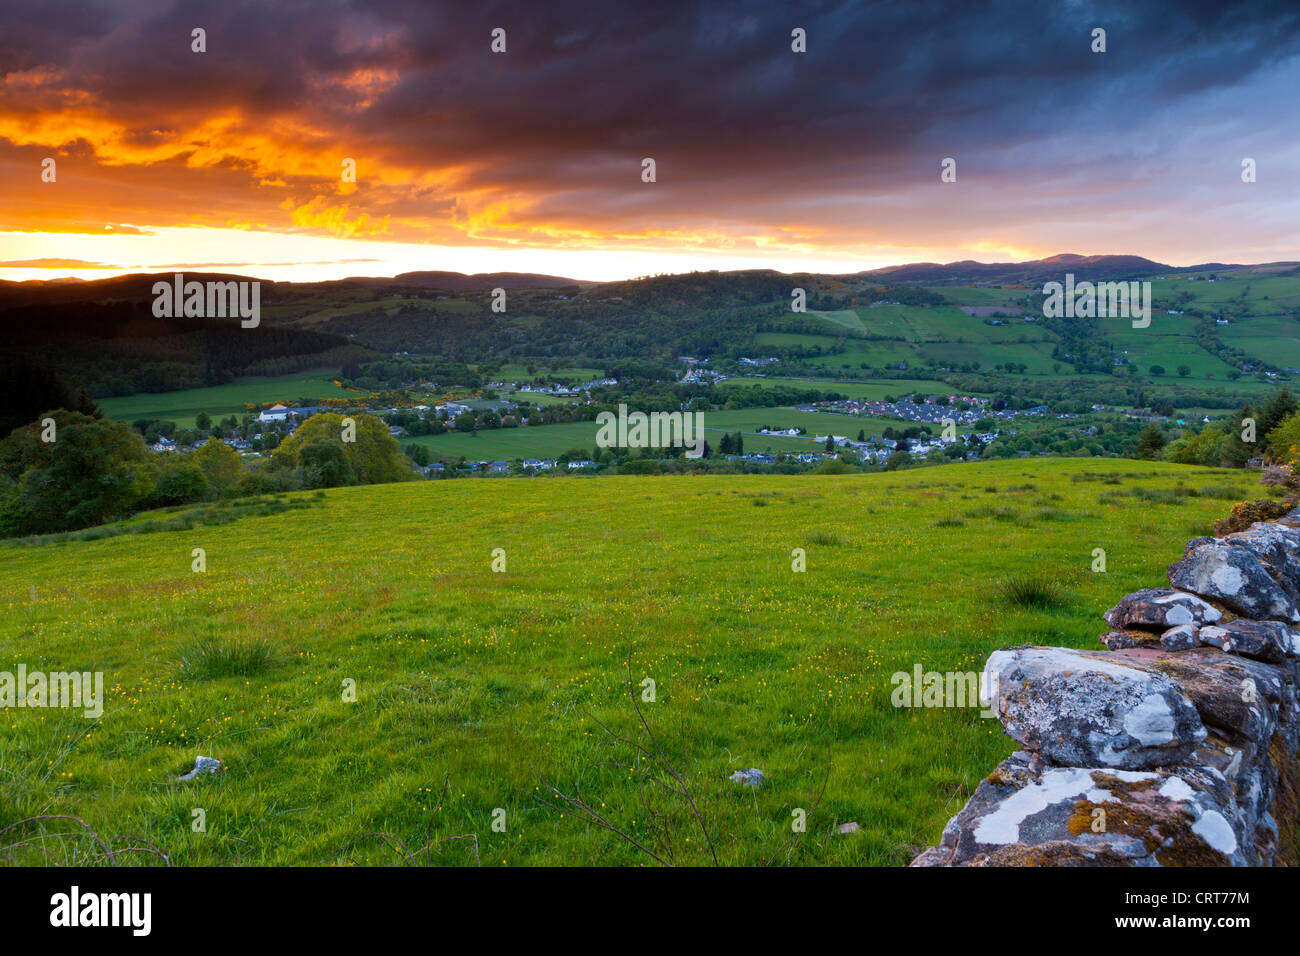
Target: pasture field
[
  {"x": 1036, "y": 355},
  {"x": 513, "y": 371},
  {"x": 477, "y": 692},
  {"x": 944, "y": 324},
  {"x": 222, "y": 400},
  {"x": 844, "y": 318},
  {"x": 1272, "y": 338},
  {"x": 875, "y": 390},
  {"x": 548, "y": 441},
  {"x": 975, "y": 295},
  {"x": 872, "y": 354}
]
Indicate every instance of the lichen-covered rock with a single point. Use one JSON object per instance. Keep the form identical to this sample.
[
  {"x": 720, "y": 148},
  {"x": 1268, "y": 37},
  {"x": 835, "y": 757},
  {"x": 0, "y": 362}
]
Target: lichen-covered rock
[
  {"x": 1236, "y": 695},
  {"x": 1118, "y": 640},
  {"x": 1158, "y": 609},
  {"x": 1277, "y": 547},
  {"x": 1270, "y": 641},
  {"x": 1178, "y": 746},
  {"x": 1083, "y": 708},
  {"x": 1076, "y": 816},
  {"x": 1233, "y": 576},
  {"x": 1180, "y": 638}
]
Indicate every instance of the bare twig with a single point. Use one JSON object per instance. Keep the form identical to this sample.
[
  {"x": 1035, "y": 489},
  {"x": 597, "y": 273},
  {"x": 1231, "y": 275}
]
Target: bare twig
[
  {"x": 411, "y": 857},
  {"x": 582, "y": 807},
  {"x": 77, "y": 820}
]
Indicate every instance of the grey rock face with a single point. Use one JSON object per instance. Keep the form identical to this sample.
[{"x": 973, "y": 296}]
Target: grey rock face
[
  {"x": 1241, "y": 698},
  {"x": 1077, "y": 816},
  {"x": 1083, "y": 708},
  {"x": 1117, "y": 640},
  {"x": 1234, "y": 577},
  {"x": 1270, "y": 641},
  {"x": 1159, "y": 609},
  {"x": 1278, "y": 548},
  {"x": 1180, "y": 638},
  {"x": 1176, "y": 747}
]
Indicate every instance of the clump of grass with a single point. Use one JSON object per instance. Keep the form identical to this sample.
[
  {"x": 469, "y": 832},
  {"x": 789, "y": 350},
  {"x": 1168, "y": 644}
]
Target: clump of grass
[
  {"x": 1221, "y": 492},
  {"x": 952, "y": 521},
  {"x": 1161, "y": 496},
  {"x": 211, "y": 658},
  {"x": 823, "y": 538},
  {"x": 1030, "y": 590},
  {"x": 759, "y": 503},
  {"x": 1002, "y": 513},
  {"x": 1050, "y": 514}
]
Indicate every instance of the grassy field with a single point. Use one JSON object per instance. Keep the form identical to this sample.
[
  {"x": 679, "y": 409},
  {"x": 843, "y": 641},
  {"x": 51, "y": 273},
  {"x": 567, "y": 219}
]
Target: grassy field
[
  {"x": 871, "y": 391},
  {"x": 1262, "y": 314},
  {"x": 548, "y": 441},
  {"x": 477, "y": 691},
  {"x": 1272, "y": 338},
  {"x": 221, "y": 400}
]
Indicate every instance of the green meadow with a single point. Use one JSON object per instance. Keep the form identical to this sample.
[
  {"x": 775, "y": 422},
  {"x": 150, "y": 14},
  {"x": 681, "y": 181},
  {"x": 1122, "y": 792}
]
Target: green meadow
[
  {"x": 504, "y": 696},
  {"x": 876, "y": 390},
  {"x": 222, "y": 400},
  {"x": 549, "y": 441}
]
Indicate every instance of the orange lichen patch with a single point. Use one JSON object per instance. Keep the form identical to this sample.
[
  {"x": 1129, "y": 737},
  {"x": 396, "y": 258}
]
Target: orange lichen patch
[
  {"x": 1054, "y": 853},
  {"x": 1190, "y": 850},
  {"x": 1123, "y": 788},
  {"x": 1000, "y": 778},
  {"x": 1166, "y": 832}
]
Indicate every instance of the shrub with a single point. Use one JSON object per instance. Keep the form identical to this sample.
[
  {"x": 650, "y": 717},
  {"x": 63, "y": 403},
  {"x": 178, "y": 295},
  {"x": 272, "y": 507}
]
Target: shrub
[
  {"x": 325, "y": 465},
  {"x": 181, "y": 485},
  {"x": 1246, "y": 513},
  {"x": 836, "y": 467}
]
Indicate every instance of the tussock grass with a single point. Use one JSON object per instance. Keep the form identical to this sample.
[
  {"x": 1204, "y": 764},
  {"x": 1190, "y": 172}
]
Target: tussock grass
[
  {"x": 996, "y": 512},
  {"x": 824, "y": 538},
  {"x": 1030, "y": 590},
  {"x": 211, "y": 658}
]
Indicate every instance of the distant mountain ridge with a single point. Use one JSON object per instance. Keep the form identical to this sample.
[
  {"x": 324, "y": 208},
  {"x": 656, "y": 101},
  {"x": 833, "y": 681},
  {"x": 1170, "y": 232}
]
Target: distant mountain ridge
[
  {"x": 140, "y": 285},
  {"x": 968, "y": 271},
  {"x": 461, "y": 282},
  {"x": 1037, "y": 270}
]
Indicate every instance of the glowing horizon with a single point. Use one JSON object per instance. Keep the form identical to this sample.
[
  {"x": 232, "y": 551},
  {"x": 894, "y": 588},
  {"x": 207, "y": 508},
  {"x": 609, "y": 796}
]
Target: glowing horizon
[{"x": 237, "y": 157}]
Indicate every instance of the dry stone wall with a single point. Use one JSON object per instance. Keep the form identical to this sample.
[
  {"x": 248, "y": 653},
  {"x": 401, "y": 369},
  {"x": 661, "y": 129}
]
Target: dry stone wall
[{"x": 1175, "y": 746}]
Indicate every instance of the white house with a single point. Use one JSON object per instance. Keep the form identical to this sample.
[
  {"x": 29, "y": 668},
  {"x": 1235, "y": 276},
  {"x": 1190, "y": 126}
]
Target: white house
[{"x": 276, "y": 413}]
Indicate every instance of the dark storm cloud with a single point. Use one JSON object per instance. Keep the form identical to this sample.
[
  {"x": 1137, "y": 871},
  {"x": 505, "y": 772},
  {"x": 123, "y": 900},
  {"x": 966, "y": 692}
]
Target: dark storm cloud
[{"x": 746, "y": 134}]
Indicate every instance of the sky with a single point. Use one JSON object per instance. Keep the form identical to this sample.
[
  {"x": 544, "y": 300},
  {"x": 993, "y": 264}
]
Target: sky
[{"x": 531, "y": 159}]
